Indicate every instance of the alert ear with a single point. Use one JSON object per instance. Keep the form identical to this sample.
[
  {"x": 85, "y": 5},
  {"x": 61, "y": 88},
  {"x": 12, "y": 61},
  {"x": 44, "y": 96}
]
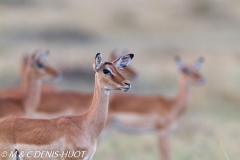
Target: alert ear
[
  {"x": 44, "y": 56},
  {"x": 97, "y": 64},
  {"x": 197, "y": 64},
  {"x": 35, "y": 55},
  {"x": 123, "y": 61}
]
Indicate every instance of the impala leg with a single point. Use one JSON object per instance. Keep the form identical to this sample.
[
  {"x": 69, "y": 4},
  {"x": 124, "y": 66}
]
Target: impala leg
[{"x": 163, "y": 143}]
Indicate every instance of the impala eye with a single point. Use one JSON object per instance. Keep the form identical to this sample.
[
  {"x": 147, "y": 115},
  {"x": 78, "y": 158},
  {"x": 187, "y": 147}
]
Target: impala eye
[
  {"x": 106, "y": 71},
  {"x": 40, "y": 65}
]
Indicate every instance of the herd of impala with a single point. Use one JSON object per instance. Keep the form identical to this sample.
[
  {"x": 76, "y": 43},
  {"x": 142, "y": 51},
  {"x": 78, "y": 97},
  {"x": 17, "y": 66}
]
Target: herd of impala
[{"x": 38, "y": 117}]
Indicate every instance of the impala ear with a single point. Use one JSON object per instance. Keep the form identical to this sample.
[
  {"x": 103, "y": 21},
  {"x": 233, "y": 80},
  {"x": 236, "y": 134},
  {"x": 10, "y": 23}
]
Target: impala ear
[
  {"x": 44, "y": 56},
  {"x": 35, "y": 55},
  {"x": 178, "y": 62},
  {"x": 97, "y": 64},
  {"x": 123, "y": 61},
  {"x": 197, "y": 64}
]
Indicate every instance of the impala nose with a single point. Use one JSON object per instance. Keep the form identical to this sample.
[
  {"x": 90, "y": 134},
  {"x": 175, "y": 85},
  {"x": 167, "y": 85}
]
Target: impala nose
[{"x": 128, "y": 84}]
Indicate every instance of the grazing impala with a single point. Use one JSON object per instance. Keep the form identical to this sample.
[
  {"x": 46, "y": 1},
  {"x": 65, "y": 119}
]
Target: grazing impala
[
  {"x": 36, "y": 71},
  {"x": 69, "y": 133},
  {"x": 135, "y": 113}
]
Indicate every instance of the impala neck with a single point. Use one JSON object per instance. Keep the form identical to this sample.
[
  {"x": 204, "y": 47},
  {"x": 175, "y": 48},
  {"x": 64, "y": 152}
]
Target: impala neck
[
  {"x": 97, "y": 115},
  {"x": 180, "y": 101},
  {"x": 32, "y": 94}
]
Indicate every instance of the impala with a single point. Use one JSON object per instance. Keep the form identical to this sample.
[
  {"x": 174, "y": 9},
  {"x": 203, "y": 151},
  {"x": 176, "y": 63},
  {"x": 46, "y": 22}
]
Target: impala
[
  {"x": 138, "y": 113},
  {"x": 61, "y": 103},
  {"x": 69, "y": 133},
  {"x": 24, "y": 79},
  {"x": 36, "y": 70},
  {"x": 46, "y": 86}
]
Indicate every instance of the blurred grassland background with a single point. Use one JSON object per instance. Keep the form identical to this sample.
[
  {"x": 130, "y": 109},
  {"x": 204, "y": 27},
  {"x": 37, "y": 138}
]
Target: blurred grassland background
[{"x": 154, "y": 30}]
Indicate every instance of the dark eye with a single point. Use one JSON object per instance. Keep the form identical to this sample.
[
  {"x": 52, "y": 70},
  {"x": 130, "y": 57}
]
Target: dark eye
[
  {"x": 106, "y": 71},
  {"x": 40, "y": 65}
]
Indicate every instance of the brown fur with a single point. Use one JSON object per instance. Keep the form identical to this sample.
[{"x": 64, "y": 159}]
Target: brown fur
[
  {"x": 59, "y": 103},
  {"x": 30, "y": 99},
  {"x": 19, "y": 92},
  {"x": 79, "y": 133},
  {"x": 158, "y": 112}
]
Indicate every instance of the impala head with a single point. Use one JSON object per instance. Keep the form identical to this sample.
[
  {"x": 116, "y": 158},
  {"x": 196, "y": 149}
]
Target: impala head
[
  {"x": 39, "y": 69},
  {"x": 128, "y": 72},
  {"x": 191, "y": 72},
  {"x": 108, "y": 73}
]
